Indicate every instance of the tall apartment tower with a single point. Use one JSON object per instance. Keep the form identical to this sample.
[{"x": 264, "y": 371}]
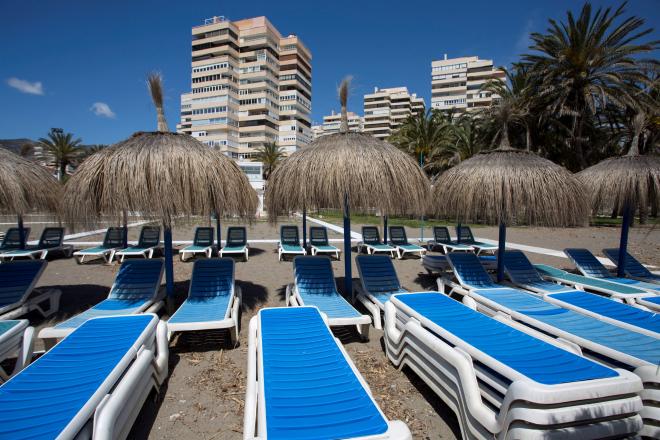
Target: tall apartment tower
[
  {"x": 386, "y": 109},
  {"x": 455, "y": 83},
  {"x": 250, "y": 85}
]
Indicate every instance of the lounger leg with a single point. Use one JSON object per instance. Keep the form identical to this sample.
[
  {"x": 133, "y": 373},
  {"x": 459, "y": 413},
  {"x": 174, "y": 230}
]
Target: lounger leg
[
  {"x": 363, "y": 329},
  {"x": 81, "y": 260},
  {"x": 247, "y": 254},
  {"x": 112, "y": 256}
]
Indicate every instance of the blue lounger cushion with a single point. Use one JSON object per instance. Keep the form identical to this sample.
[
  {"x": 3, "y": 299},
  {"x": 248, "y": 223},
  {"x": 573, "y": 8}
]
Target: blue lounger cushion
[
  {"x": 625, "y": 341},
  {"x": 310, "y": 390},
  {"x": 378, "y": 276},
  {"x": 634, "y": 268},
  {"x": 611, "y": 309},
  {"x": 211, "y": 289},
  {"x": 316, "y": 286},
  {"x": 42, "y": 400},
  {"x": 530, "y": 357},
  {"x": 17, "y": 280},
  {"x": 593, "y": 283}
]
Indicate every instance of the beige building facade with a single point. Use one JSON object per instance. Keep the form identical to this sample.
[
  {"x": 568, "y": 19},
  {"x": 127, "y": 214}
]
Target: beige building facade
[
  {"x": 386, "y": 109},
  {"x": 332, "y": 123},
  {"x": 456, "y": 83},
  {"x": 249, "y": 85}
]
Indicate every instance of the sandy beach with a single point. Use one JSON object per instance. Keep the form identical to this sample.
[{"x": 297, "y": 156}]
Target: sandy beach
[{"x": 203, "y": 396}]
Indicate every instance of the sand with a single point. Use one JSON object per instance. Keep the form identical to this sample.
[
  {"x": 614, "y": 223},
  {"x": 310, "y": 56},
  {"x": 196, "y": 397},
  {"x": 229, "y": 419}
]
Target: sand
[{"x": 203, "y": 396}]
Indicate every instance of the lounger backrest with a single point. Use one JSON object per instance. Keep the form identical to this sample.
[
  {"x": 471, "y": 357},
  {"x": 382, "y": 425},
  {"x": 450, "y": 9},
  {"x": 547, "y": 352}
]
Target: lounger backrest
[
  {"x": 289, "y": 235},
  {"x": 12, "y": 238},
  {"x": 370, "y": 235},
  {"x": 441, "y": 234},
  {"x": 212, "y": 277},
  {"x": 464, "y": 233},
  {"x": 587, "y": 263},
  {"x": 377, "y": 273},
  {"x": 114, "y": 237},
  {"x": 149, "y": 237},
  {"x": 398, "y": 235},
  {"x": 203, "y": 236},
  {"x": 18, "y": 278},
  {"x": 51, "y": 238},
  {"x": 318, "y": 236},
  {"x": 520, "y": 269},
  {"x": 236, "y": 236},
  {"x": 469, "y": 271},
  {"x": 314, "y": 275},
  {"x": 137, "y": 279},
  {"x": 633, "y": 267}
]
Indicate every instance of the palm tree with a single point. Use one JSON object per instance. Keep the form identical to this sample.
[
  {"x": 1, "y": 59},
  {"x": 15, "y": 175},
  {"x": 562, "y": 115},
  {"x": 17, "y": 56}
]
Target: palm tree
[
  {"x": 588, "y": 63},
  {"x": 91, "y": 149},
  {"x": 422, "y": 135},
  {"x": 468, "y": 137},
  {"x": 270, "y": 155},
  {"x": 63, "y": 148}
]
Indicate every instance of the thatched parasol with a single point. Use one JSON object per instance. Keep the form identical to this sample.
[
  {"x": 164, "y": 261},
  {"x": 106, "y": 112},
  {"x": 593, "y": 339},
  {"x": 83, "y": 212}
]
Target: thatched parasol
[
  {"x": 507, "y": 186},
  {"x": 164, "y": 176},
  {"x": 625, "y": 184},
  {"x": 26, "y": 186},
  {"x": 346, "y": 170}
]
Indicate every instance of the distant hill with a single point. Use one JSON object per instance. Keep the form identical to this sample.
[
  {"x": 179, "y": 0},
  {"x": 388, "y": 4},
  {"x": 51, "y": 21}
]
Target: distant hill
[{"x": 15, "y": 145}]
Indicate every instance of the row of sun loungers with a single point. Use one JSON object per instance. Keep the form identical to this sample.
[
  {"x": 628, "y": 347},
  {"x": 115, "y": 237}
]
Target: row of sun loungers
[{"x": 51, "y": 241}]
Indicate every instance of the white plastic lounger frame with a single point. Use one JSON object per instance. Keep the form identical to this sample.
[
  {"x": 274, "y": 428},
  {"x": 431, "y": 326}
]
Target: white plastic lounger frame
[
  {"x": 202, "y": 244},
  {"x": 41, "y": 250},
  {"x": 236, "y": 243},
  {"x": 471, "y": 383},
  {"x": 254, "y": 421},
  {"x": 112, "y": 242},
  {"x": 289, "y": 243},
  {"x": 371, "y": 242},
  {"x": 17, "y": 341},
  {"x": 141, "y": 250}
]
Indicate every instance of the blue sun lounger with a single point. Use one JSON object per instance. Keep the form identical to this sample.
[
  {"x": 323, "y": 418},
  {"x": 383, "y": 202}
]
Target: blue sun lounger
[
  {"x": 112, "y": 242},
  {"x": 503, "y": 383},
  {"x": 51, "y": 240},
  {"x": 605, "y": 342},
  {"x": 301, "y": 384},
  {"x": 634, "y": 269},
  {"x": 399, "y": 240},
  {"x": 319, "y": 243},
  {"x": 91, "y": 385},
  {"x": 371, "y": 242},
  {"x": 289, "y": 242},
  {"x": 135, "y": 290},
  {"x": 18, "y": 295},
  {"x": 442, "y": 239},
  {"x": 465, "y": 236},
  {"x": 147, "y": 244},
  {"x": 16, "y": 340},
  {"x": 314, "y": 285},
  {"x": 522, "y": 274},
  {"x": 236, "y": 242},
  {"x": 12, "y": 240},
  {"x": 202, "y": 244},
  {"x": 378, "y": 281},
  {"x": 213, "y": 299},
  {"x": 589, "y": 266}
]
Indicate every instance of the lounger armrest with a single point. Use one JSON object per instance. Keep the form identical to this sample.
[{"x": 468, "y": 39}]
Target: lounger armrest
[{"x": 251, "y": 387}]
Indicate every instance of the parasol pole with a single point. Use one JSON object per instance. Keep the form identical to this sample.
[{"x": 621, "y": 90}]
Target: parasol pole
[
  {"x": 348, "y": 275},
  {"x": 21, "y": 233},
  {"x": 623, "y": 243}
]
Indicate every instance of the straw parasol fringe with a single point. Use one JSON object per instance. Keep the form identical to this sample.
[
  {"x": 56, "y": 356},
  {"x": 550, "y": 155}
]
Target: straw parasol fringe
[
  {"x": 164, "y": 176},
  {"x": 26, "y": 186},
  {"x": 513, "y": 187},
  {"x": 372, "y": 172}
]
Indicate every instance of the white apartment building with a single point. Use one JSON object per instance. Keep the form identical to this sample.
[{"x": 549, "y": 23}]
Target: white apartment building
[
  {"x": 386, "y": 109},
  {"x": 332, "y": 124},
  {"x": 456, "y": 83},
  {"x": 250, "y": 85}
]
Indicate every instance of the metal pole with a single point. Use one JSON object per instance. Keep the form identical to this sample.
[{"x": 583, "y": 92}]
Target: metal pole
[
  {"x": 348, "y": 275},
  {"x": 623, "y": 243},
  {"x": 218, "y": 232},
  {"x": 304, "y": 227},
  {"x": 124, "y": 233},
  {"x": 458, "y": 233},
  {"x": 169, "y": 263},
  {"x": 421, "y": 227},
  {"x": 501, "y": 246},
  {"x": 21, "y": 233},
  {"x": 385, "y": 229}
]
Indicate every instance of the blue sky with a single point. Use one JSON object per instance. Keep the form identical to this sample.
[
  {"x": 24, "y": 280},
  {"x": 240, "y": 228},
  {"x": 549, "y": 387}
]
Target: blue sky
[{"x": 81, "y": 65}]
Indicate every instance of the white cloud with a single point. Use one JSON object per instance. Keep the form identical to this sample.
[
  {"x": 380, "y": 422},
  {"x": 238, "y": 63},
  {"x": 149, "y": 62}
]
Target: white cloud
[
  {"x": 102, "y": 109},
  {"x": 32, "y": 88}
]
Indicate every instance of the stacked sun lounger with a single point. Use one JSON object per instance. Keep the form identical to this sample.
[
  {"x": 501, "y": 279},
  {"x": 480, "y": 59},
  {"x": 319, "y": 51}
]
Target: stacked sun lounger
[
  {"x": 17, "y": 290},
  {"x": 91, "y": 385},
  {"x": 301, "y": 384},
  {"x": 314, "y": 285},
  {"x": 16, "y": 339},
  {"x": 503, "y": 383},
  {"x": 634, "y": 269},
  {"x": 613, "y": 344},
  {"x": 378, "y": 281},
  {"x": 213, "y": 299}
]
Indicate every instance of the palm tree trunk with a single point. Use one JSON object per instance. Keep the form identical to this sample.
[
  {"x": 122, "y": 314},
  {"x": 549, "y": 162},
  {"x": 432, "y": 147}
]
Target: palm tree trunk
[
  {"x": 528, "y": 138},
  {"x": 63, "y": 165},
  {"x": 577, "y": 140}
]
